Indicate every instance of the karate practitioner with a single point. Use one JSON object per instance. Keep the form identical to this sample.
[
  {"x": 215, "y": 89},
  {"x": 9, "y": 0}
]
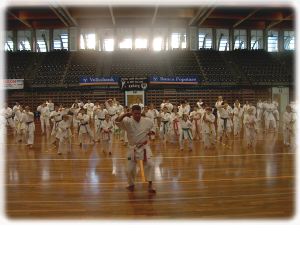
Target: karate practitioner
[{"x": 138, "y": 129}]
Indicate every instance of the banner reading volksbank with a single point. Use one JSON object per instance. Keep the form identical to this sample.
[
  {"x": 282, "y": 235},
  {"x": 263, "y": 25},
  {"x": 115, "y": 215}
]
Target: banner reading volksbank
[
  {"x": 133, "y": 83},
  {"x": 13, "y": 83},
  {"x": 96, "y": 81},
  {"x": 177, "y": 80}
]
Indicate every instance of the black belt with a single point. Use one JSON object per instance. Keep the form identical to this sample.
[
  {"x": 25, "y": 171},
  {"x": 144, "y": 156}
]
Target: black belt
[
  {"x": 101, "y": 119},
  {"x": 225, "y": 121},
  {"x": 165, "y": 122},
  {"x": 83, "y": 124},
  {"x": 29, "y": 122},
  {"x": 111, "y": 115}
]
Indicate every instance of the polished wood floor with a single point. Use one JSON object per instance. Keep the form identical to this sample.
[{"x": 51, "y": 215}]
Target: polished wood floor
[{"x": 230, "y": 182}]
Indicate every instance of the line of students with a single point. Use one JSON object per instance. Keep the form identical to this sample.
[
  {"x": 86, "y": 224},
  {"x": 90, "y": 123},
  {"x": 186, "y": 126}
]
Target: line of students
[{"x": 91, "y": 122}]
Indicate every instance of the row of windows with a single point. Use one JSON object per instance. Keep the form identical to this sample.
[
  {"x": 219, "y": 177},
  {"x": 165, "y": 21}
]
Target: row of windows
[{"x": 178, "y": 40}]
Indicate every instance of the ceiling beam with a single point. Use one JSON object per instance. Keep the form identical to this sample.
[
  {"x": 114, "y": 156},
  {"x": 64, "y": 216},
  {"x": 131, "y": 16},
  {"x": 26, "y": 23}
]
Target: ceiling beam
[
  {"x": 197, "y": 16},
  {"x": 154, "y": 15},
  {"x": 63, "y": 20},
  {"x": 112, "y": 15},
  {"x": 271, "y": 25},
  {"x": 208, "y": 13},
  {"x": 20, "y": 19},
  {"x": 245, "y": 18},
  {"x": 73, "y": 20}
]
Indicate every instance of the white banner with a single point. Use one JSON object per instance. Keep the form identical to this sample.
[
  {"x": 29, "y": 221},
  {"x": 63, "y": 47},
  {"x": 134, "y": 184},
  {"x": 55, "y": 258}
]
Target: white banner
[{"x": 13, "y": 83}]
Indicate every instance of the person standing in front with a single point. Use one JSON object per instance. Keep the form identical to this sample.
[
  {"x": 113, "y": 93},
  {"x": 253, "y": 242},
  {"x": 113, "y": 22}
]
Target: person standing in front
[{"x": 138, "y": 129}]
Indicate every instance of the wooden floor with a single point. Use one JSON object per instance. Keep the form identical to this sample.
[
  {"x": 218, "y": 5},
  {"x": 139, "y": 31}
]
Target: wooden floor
[{"x": 230, "y": 182}]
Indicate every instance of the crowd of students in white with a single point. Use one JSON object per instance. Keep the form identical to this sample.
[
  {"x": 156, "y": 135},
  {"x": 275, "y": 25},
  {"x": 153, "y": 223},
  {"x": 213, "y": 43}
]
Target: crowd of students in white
[{"x": 92, "y": 123}]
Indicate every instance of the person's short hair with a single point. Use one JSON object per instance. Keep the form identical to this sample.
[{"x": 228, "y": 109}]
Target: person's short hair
[{"x": 136, "y": 107}]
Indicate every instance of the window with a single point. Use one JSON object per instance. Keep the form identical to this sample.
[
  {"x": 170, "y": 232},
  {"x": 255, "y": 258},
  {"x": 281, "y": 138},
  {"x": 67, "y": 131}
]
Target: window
[
  {"x": 178, "y": 40},
  {"x": 272, "y": 41},
  {"x": 141, "y": 43},
  {"x": 60, "y": 39},
  {"x": 108, "y": 44},
  {"x": 257, "y": 39},
  {"x": 126, "y": 44},
  {"x": 88, "y": 41},
  {"x": 240, "y": 39},
  {"x": 205, "y": 38},
  {"x": 289, "y": 40},
  {"x": 158, "y": 44},
  {"x": 9, "y": 43},
  {"x": 24, "y": 39},
  {"x": 42, "y": 40},
  {"x": 223, "y": 39}
]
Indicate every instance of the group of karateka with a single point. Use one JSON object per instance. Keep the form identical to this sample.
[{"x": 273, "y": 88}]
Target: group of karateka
[
  {"x": 138, "y": 125},
  {"x": 95, "y": 122}
]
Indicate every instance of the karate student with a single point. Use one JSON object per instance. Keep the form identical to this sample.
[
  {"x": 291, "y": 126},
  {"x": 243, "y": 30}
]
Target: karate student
[
  {"x": 186, "y": 133},
  {"x": 165, "y": 118},
  {"x": 195, "y": 117},
  {"x": 270, "y": 121},
  {"x": 250, "y": 128},
  {"x": 55, "y": 117},
  {"x": 85, "y": 134},
  {"x": 237, "y": 118},
  {"x": 224, "y": 125},
  {"x": 99, "y": 115},
  {"x": 276, "y": 112},
  {"x": 106, "y": 134},
  {"x": 75, "y": 110},
  {"x": 138, "y": 129},
  {"x": 89, "y": 109},
  {"x": 64, "y": 133},
  {"x": 30, "y": 127},
  {"x": 208, "y": 128},
  {"x": 155, "y": 114},
  {"x": 20, "y": 124},
  {"x": 8, "y": 114},
  {"x": 50, "y": 105},
  {"x": 150, "y": 114},
  {"x": 44, "y": 118},
  {"x": 112, "y": 110},
  {"x": 289, "y": 126},
  {"x": 174, "y": 128},
  {"x": 168, "y": 105},
  {"x": 260, "y": 110}
]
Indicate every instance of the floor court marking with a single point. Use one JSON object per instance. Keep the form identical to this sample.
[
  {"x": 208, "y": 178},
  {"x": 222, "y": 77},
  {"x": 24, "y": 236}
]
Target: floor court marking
[
  {"x": 158, "y": 157},
  {"x": 156, "y": 182}
]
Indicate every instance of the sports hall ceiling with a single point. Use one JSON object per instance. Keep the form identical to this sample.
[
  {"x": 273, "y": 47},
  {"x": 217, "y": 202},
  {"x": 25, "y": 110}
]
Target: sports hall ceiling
[{"x": 59, "y": 16}]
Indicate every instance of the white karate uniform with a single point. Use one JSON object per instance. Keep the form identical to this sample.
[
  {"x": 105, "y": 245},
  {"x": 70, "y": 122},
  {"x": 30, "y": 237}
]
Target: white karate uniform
[
  {"x": 276, "y": 112},
  {"x": 269, "y": 116},
  {"x": 225, "y": 122},
  {"x": 139, "y": 149},
  {"x": 106, "y": 135},
  {"x": 56, "y": 117},
  {"x": 7, "y": 114},
  {"x": 208, "y": 130},
  {"x": 186, "y": 133},
  {"x": 164, "y": 125},
  {"x": 174, "y": 127},
  {"x": 289, "y": 128},
  {"x": 99, "y": 115},
  {"x": 64, "y": 134},
  {"x": 151, "y": 115},
  {"x": 250, "y": 129},
  {"x": 260, "y": 110},
  {"x": 196, "y": 128},
  {"x": 84, "y": 129},
  {"x": 44, "y": 117},
  {"x": 89, "y": 109},
  {"x": 237, "y": 120},
  {"x": 30, "y": 127}
]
